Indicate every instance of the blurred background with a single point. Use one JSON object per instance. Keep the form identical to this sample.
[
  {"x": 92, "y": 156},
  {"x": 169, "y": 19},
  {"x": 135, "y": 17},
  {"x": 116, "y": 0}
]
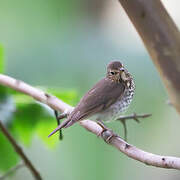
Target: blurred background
[{"x": 66, "y": 45}]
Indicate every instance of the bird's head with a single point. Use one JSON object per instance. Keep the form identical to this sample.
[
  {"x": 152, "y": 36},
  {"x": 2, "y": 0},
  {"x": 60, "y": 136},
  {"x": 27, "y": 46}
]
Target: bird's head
[{"x": 116, "y": 72}]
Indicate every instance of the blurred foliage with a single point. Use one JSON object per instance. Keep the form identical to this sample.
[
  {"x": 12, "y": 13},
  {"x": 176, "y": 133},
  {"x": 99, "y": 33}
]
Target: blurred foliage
[
  {"x": 8, "y": 156},
  {"x": 7, "y": 153},
  {"x": 26, "y": 119},
  {"x": 2, "y": 88},
  {"x": 1, "y": 59},
  {"x": 69, "y": 96},
  {"x": 31, "y": 116}
]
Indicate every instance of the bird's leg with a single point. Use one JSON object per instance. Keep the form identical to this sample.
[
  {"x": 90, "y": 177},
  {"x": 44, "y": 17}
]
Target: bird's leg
[
  {"x": 104, "y": 128},
  {"x": 58, "y": 118},
  {"x": 135, "y": 117},
  {"x": 106, "y": 133}
]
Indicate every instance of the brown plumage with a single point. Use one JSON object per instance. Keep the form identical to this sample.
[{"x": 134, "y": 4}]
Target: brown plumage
[{"x": 104, "y": 98}]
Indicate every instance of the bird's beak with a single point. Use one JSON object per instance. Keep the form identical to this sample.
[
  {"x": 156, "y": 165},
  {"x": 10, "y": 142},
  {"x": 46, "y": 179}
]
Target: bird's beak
[
  {"x": 123, "y": 74},
  {"x": 121, "y": 69}
]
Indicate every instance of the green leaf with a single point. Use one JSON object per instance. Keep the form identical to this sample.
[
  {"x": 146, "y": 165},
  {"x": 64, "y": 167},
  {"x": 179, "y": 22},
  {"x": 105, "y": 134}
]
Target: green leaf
[
  {"x": 3, "y": 89},
  {"x": 20, "y": 98},
  {"x": 44, "y": 128},
  {"x": 1, "y": 59},
  {"x": 25, "y": 120},
  {"x": 3, "y": 92},
  {"x": 31, "y": 117},
  {"x": 7, "y": 154},
  {"x": 68, "y": 96}
]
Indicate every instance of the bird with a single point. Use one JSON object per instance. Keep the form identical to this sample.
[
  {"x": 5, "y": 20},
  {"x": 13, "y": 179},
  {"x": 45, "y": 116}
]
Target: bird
[{"x": 106, "y": 100}]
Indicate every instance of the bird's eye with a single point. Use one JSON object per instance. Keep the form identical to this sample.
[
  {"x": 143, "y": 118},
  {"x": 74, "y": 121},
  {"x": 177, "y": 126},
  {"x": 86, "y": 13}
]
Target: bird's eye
[{"x": 112, "y": 73}]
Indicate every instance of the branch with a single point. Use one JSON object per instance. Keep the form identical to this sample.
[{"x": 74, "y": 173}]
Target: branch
[
  {"x": 117, "y": 142},
  {"x": 12, "y": 170},
  {"x": 20, "y": 152},
  {"x": 162, "y": 40},
  {"x": 134, "y": 116}
]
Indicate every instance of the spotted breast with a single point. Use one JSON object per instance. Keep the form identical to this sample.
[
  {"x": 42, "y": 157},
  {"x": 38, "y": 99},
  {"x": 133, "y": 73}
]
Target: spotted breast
[{"x": 120, "y": 106}]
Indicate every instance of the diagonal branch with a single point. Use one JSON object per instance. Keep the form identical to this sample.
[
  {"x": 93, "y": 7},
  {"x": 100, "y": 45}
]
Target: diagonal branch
[
  {"x": 117, "y": 142},
  {"x": 20, "y": 152},
  {"x": 162, "y": 40}
]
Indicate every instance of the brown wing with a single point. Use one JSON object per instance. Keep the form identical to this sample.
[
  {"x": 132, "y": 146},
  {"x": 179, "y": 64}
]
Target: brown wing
[{"x": 97, "y": 99}]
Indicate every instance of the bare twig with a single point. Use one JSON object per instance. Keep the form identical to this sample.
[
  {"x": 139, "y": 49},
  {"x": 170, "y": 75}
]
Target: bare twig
[
  {"x": 117, "y": 142},
  {"x": 20, "y": 152},
  {"x": 162, "y": 40},
  {"x": 125, "y": 130},
  {"x": 135, "y": 117},
  {"x": 58, "y": 123},
  {"x": 12, "y": 170}
]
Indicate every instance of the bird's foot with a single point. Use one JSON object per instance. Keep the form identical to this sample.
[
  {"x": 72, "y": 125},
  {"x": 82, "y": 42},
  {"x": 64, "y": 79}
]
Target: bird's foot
[
  {"x": 106, "y": 133},
  {"x": 58, "y": 118}
]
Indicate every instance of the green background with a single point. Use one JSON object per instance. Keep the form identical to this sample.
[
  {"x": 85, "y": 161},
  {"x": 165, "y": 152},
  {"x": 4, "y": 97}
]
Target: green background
[{"x": 63, "y": 47}]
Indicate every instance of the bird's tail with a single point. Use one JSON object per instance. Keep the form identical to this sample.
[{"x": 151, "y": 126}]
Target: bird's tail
[{"x": 64, "y": 124}]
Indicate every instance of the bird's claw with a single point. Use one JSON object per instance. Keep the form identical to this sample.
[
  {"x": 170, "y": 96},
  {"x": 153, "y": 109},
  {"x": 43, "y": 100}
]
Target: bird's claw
[{"x": 106, "y": 133}]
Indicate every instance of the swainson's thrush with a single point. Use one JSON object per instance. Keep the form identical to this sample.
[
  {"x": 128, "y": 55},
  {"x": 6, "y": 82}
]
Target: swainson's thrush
[{"x": 106, "y": 100}]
